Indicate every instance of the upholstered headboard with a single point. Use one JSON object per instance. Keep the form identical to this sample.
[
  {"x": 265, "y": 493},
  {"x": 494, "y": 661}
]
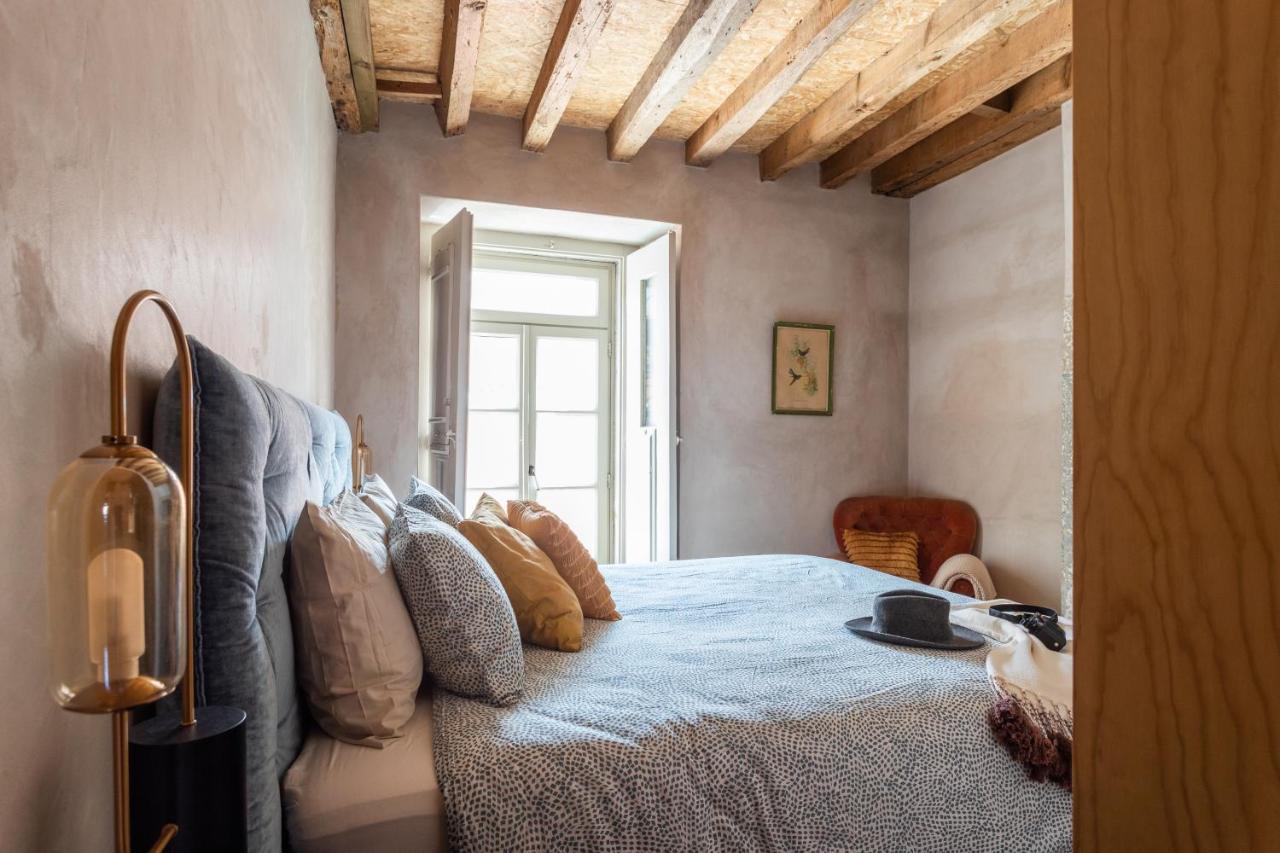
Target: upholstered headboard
[{"x": 260, "y": 455}]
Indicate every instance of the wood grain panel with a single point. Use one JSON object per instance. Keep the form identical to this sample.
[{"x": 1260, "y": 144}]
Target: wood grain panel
[{"x": 1177, "y": 425}]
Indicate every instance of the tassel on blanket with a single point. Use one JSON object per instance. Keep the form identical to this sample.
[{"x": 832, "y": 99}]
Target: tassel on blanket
[{"x": 1045, "y": 753}]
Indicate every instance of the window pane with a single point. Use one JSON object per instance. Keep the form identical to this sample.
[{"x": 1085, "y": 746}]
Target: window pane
[
  {"x": 493, "y": 450},
  {"x": 495, "y": 371},
  {"x": 500, "y": 495},
  {"x": 580, "y": 510},
  {"x": 567, "y": 449},
  {"x": 534, "y": 292},
  {"x": 568, "y": 374}
]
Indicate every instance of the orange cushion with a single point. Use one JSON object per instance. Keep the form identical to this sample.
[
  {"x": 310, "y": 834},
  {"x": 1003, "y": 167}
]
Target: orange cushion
[
  {"x": 892, "y": 553},
  {"x": 571, "y": 558},
  {"x": 546, "y": 609}
]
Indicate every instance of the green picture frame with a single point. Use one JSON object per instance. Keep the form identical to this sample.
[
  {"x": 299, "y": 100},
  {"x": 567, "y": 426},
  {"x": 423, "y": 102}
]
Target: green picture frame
[{"x": 801, "y": 378}]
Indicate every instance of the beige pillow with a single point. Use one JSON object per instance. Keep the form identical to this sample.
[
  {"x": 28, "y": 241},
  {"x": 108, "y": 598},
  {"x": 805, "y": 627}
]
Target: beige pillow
[
  {"x": 892, "y": 553},
  {"x": 546, "y": 609},
  {"x": 359, "y": 662},
  {"x": 377, "y": 496},
  {"x": 571, "y": 558}
]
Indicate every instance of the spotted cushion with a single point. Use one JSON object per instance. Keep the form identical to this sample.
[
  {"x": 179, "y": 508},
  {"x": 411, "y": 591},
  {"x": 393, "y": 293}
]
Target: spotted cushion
[
  {"x": 467, "y": 630},
  {"x": 427, "y": 498}
]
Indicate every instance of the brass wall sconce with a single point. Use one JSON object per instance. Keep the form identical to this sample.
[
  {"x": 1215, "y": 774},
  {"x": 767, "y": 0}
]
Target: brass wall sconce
[
  {"x": 119, "y": 557},
  {"x": 361, "y": 457}
]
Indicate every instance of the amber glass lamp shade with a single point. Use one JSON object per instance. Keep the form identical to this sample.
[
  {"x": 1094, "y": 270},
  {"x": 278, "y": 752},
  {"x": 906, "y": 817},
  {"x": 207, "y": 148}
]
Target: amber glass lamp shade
[{"x": 116, "y": 545}]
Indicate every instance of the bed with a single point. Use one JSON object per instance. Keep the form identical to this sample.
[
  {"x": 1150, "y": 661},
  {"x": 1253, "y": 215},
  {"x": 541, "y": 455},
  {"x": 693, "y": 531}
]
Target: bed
[{"x": 728, "y": 710}]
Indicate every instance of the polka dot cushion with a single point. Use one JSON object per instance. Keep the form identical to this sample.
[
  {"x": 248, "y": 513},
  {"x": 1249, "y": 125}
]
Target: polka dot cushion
[{"x": 467, "y": 630}]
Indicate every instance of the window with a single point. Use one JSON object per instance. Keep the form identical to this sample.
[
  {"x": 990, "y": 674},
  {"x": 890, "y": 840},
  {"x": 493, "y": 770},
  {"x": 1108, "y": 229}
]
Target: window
[{"x": 540, "y": 404}]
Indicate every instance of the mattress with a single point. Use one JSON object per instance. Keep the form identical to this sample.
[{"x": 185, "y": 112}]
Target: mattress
[
  {"x": 731, "y": 710},
  {"x": 339, "y": 797}
]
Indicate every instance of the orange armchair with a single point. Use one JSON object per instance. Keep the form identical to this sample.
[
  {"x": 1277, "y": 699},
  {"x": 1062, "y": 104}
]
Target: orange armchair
[{"x": 945, "y": 527}]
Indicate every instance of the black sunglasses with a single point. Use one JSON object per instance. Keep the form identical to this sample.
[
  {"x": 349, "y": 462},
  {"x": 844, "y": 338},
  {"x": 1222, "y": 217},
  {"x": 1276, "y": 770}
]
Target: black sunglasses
[{"x": 1039, "y": 622}]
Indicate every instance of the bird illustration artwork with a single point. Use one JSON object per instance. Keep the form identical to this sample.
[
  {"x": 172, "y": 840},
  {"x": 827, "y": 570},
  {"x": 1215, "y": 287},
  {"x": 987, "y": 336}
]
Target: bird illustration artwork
[
  {"x": 795, "y": 377},
  {"x": 802, "y": 352},
  {"x": 803, "y": 368}
]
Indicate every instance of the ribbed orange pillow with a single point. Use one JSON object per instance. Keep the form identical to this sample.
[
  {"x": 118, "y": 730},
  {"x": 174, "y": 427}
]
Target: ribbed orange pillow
[
  {"x": 572, "y": 559},
  {"x": 892, "y": 553}
]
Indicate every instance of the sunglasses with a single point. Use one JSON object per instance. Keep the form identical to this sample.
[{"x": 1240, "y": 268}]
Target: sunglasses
[{"x": 1039, "y": 622}]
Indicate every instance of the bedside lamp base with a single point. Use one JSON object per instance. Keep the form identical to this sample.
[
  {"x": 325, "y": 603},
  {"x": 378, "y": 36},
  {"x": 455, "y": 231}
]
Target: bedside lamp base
[{"x": 192, "y": 776}]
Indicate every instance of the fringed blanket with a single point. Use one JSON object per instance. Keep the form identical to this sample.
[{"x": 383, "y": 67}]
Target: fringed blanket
[
  {"x": 730, "y": 709},
  {"x": 1032, "y": 714}
]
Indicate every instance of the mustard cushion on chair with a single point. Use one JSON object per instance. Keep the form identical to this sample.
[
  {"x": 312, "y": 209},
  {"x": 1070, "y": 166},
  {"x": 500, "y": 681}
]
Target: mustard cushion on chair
[
  {"x": 894, "y": 554},
  {"x": 546, "y": 609},
  {"x": 571, "y": 558}
]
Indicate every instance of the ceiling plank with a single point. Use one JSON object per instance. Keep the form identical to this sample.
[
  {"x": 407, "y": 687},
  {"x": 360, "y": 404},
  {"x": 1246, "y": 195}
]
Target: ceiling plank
[
  {"x": 580, "y": 25},
  {"x": 996, "y": 106},
  {"x": 355, "y": 20},
  {"x": 890, "y": 81},
  {"x": 459, "y": 50},
  {"x": 702, "y": 31},
  {"x": 1041, "y": 42},
  {"x": 820, "y": 27},
  {"x": 973, "y": 139},
  {"x": 331, "y": 38}
]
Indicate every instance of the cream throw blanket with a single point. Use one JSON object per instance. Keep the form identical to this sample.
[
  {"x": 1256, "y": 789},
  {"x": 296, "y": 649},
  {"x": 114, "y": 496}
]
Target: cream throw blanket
[{"x": 1032, "y": 716}]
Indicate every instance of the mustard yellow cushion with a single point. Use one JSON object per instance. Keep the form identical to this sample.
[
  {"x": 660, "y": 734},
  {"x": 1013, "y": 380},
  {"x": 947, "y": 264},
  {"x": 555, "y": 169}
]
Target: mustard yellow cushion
[
  {"x": 894, "y": 554},
  {"x": 488, "y": 503},
  {"x": 571, "y": 558},
  {"x": 546, "y": 609}
]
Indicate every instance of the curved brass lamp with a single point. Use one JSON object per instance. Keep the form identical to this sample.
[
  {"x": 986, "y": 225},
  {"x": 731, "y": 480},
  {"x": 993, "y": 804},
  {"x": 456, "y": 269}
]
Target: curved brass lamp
[
  {"x": 119, "y": 561},
  {"x": 361, "y": 457}
]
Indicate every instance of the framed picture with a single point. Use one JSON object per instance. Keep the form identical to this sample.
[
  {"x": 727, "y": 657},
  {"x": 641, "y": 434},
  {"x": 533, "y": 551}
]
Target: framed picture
[{"x": 803, "y": 355}]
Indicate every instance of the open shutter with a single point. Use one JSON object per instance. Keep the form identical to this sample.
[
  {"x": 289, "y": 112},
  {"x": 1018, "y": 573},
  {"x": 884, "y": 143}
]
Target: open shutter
[
  {"x": 446, "y": 326},
  {"x": 649, "y": 435}
]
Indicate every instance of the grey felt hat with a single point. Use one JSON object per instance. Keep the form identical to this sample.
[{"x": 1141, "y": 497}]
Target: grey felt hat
[{"x": 909, "y": 617}]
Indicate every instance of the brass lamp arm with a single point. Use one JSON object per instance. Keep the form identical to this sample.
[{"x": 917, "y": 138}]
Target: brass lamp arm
[{"x": 119, "y": 433}]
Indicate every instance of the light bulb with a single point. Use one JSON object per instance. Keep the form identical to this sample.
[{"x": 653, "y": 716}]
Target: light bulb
[{"x": 117, "y": 623}]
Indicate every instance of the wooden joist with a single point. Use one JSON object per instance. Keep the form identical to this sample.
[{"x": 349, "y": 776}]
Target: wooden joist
[
  {"x": 355, "y": 20},
  {"x": 1042, "y": 41},
  {"x": 820, "y": 27},
  {"x": 580, "y": 25},
  {"x": 331, "y": 38},
  {"x": 459, "y": 50},
  {"x": 892, "y": 80},
  {"x": 973, "y": 139},
  {"x": 702, "y": 31},
  {"x": 415, "y": 87}
]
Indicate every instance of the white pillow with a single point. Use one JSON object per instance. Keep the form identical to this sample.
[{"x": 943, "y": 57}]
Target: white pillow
[{"x": 377, "y": 496}]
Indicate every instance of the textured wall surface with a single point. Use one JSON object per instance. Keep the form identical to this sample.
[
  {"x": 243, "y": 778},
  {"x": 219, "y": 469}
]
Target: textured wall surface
[
  {"x": 187, "y": 146},
  {"x": 753, "y": 253},
  {"x": 987, "y": 287}
]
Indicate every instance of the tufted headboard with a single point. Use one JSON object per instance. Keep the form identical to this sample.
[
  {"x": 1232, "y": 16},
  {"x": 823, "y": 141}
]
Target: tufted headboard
[{"x": 260, "y": 455}]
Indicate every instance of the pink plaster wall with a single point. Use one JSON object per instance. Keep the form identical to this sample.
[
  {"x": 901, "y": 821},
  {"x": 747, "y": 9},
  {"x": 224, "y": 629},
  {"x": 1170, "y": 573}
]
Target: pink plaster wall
[
  {"x": 182, "y": 145},
  {"x": 752, "y": 253}
]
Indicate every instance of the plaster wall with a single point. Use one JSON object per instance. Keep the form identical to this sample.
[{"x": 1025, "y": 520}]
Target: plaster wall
[
  {"x": 986, "y": 358},
  {"x": 752, "y": 253},
  {"x": 185, "y": 146}
]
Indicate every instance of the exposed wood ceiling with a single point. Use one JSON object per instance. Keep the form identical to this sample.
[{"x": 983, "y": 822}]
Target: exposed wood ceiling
[{"x": 904, "y": 89}]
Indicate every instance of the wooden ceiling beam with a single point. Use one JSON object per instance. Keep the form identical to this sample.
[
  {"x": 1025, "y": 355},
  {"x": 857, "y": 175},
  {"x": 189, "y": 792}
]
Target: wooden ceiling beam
[
  {"x": 414, "y": 87},
  {"x": 996, "y": 106},
  {"x": 973, "y": 139},
  {"x": 892, "y": 80},
  {"x": 331, "y": 38},
  {"x": 355, "y": 21},
  {"x": 820, "y": 27},
  {"x": 1041, "y": 42},
  {"x": 459, "y": 50},
  {"x": 580, "y": 25},
  {"x": 702, "y": 31}
]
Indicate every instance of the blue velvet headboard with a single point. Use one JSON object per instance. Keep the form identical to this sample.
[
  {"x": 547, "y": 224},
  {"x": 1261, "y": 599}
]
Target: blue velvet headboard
[{"x": 260, "y": 455}]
